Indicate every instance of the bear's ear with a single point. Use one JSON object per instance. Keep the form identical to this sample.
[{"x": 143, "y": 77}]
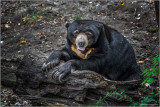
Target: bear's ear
[
  {"x": 105, "y": 31},
  {"x": 101, "y": 28},
  {"x": 67, "y": 25}
]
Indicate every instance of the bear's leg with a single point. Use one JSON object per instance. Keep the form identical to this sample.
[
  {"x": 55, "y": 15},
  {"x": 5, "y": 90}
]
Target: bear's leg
[
  {"x": 54, "y": 59},
  {"x": 71, "y": 65}
]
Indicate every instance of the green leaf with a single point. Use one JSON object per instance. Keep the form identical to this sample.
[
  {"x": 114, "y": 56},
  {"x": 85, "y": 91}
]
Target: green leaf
[
  {"x": 150, "y": 100},
  {"x": 151, "y": 93},
  {"x": 135, "y": 104},
  {"x": 157, "y": 26},
  {"x": 8, "y": 59},
  {"x": 157, "y": 93},
  {"x": 114, "y": 92},
  {"x": 144, "y": 81},
  {"x": 2, "y": 103},
  {"x": 149, "y": 74},
  {"x": 130, "y": 100},
  {"x": 34, "y": 17},
  {"x": 156, "y": 60},
  {"x": 122, "y": 92},
  {"x": 145, "y": 71},
  {"x": 151, "y": 80},
  {"x": 111, "y": 93},
  {"x": 105, "y": 101},
  {"x": 125, "y": 96},
  {"x": 99, "y": 101},
  {"x": 155, "y": 72},
  {"x": 120, "y": 98}
]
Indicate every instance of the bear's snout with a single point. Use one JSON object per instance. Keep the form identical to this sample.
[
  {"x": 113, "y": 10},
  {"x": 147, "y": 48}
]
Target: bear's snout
[{"x": 81, "y": 42}]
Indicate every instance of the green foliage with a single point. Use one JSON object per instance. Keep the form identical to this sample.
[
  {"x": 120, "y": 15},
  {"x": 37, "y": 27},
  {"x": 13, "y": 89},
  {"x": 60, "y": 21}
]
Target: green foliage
[
  {"x": 99, "y": 101},
  {"x": 102, "y": 99},
  {"x": 149, "y": 74},
  {"x": 111, "y": 93},
  {"x": 2, "y": 104},
  {"x": 35, "y": 16},
  {"x": 149, "y": 99},
  {"x": 77, "y": 15}
]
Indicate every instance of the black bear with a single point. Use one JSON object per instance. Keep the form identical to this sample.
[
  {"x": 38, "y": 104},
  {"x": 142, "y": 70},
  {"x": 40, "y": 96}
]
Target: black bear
[{"x": 91, "y": 45}]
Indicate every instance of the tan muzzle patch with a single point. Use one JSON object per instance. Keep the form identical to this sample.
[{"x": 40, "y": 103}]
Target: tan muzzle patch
[{"x": 82, "y": 36}]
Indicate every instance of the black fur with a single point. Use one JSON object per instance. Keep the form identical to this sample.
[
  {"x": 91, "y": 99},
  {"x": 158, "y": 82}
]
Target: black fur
[{"x": 112, "y": 57}]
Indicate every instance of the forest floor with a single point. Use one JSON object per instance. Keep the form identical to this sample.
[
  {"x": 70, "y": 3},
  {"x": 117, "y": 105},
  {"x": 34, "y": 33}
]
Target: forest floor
[{"x": 40, "y": 25}]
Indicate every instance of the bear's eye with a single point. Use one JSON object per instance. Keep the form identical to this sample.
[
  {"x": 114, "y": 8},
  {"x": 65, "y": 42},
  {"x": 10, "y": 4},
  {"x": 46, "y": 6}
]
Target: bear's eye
[
  {"x": 89, "y": 34},
  {"x": 75, "y": 33}
]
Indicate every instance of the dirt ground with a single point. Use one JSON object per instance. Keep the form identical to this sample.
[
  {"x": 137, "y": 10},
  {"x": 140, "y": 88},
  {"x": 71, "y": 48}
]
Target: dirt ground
[{"x": 40, "y": 25}]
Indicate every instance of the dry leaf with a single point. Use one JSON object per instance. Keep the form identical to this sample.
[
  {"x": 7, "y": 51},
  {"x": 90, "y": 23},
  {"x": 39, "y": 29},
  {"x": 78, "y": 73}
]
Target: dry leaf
[
  {"x": 20, "y": 2},
  {"x": 61, "y": 18},
  {"x": 42, "y": 5},
  {"x": 90, "y": 6},
  {"x": 139, "y": 93},
  {"x": 154, "y": 19},
  {"x": 24, "y": 19},
  {"x": 8, "y": 21},
  {"x": 39, "y": 19},
  {"x": 146, "y": 33},
  {"x": 22, "y": 40},
  {"x": 150, "y": 2},
  {"x": 154, "y": 37},
  {"x": 7, "y": 26},
  {"x": 140, "y": 62},
  {"x": 131, "y": 22},
  {"x": 19, "y": 24},
  {"x": 40, "y": 33},
  {"x": 122, "y": 4},
  {"x": 50, "y": 8},
  {"x": 147, "y": 59},
  {"x": 58, "y": 104}
]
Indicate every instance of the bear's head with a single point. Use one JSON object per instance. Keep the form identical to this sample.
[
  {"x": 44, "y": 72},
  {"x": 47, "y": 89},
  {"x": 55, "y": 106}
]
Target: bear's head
[{"x": 83, "y": 33}]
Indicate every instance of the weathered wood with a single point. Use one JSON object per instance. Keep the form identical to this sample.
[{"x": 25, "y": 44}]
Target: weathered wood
[
  {"x": 8, "y": 70},
  {"x": 79, "y": 85},
  {"x": 9, "y": 79},
  {"x": 50, "y": 101}
]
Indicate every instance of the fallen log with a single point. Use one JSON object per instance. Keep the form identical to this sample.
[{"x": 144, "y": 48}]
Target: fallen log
[
  {"x": 8, "y": 69},
  {"x": 44, "y": 101},
  {"x": 80, "y": 85}
]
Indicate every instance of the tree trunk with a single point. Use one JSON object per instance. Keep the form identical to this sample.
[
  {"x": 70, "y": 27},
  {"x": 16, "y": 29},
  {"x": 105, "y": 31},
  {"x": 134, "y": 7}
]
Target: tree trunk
[{"x": 156, "y": 3}]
